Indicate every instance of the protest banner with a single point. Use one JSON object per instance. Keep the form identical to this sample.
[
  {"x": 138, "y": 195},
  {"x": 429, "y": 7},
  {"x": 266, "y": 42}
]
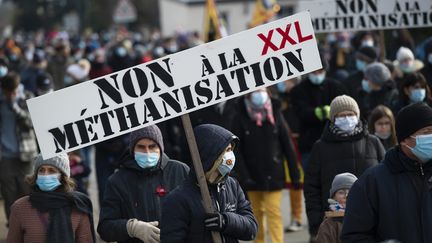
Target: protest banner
[
  {"x": 118, "y": 103},
  {"x": 355, "y": 15}
]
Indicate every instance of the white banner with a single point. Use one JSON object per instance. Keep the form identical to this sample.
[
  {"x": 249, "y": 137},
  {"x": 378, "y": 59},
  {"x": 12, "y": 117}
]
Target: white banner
[
  {"x": 355, "y": 15},
  {"x": 177, "y": 84}
]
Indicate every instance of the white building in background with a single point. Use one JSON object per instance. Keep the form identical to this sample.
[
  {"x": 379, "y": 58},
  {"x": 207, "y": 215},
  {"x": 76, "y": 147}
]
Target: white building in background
[{"x": 188, "y": 15}]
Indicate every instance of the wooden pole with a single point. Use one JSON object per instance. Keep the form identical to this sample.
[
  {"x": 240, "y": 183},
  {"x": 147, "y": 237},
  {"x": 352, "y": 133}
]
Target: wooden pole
[
  {"x": 382, "y": 46},
  {"x": 196, "y": 160}
]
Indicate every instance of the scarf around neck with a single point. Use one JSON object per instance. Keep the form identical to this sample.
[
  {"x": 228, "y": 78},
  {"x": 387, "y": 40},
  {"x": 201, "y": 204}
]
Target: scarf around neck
[
  {"x": 260, "y": 114},
  {"x": 59, "y": 206}
]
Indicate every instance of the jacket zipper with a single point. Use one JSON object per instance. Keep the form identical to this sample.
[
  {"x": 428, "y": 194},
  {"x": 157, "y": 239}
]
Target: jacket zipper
[{"x": 421, "y": 169}]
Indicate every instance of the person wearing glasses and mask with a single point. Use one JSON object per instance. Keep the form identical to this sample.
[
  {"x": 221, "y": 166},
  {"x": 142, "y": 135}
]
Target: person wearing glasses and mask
[
  {"x": 345, "y": 146},
  {"x": 131, "y": 207},
  {"x": 183, "y": 215},
  {"x": 393, "y": 200}
]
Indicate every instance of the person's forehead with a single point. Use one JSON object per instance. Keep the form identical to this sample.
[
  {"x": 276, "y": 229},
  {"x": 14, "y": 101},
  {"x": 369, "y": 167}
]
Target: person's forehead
[
  {"x": 146, "y": 142},
  {"x": 425, "y": 130},
  {"x": 47, "y": 167}
]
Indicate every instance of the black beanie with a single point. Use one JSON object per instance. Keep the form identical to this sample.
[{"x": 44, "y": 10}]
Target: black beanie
[
  {"x": 412, "y": 118},
  {"x": 151, "y": 132},
  {"x": 368, "y": 52}
]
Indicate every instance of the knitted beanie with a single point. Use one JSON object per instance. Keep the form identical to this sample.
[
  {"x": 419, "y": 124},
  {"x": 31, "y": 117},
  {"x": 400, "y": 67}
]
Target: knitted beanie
[
  {"x": 343, "y": 103},
  {"x": 60, "y": 161},
  {"x": 404, "y": 53},
  {"x": 151, "y": 132},
  {"x": 342, "y": 181},
  {"x": 368, "y": 53},
  {"x": 377, "y": 73},
  {"x": 411, "y": 119}
]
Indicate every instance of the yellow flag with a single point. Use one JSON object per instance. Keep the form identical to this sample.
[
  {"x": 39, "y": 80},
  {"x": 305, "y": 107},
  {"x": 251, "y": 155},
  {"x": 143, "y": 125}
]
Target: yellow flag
[
  {"x": 213, "y": 27},
  {"x": 264, "y": 10}
]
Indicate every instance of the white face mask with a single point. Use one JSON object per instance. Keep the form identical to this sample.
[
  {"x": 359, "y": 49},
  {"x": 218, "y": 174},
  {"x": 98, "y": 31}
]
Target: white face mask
[{"x": 346, "y": 123}]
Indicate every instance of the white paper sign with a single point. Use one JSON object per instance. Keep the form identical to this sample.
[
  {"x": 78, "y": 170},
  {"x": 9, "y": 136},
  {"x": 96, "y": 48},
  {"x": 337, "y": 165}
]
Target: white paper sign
[
  {"x": 177, "y": 84},
  {"x": 355, "y": 15}
]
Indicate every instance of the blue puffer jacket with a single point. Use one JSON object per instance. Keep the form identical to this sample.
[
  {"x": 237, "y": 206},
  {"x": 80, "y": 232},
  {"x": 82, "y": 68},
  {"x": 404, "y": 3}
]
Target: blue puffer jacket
[
  {"x": 392, "y": 200},
  {"x": 183, "y": 213}
]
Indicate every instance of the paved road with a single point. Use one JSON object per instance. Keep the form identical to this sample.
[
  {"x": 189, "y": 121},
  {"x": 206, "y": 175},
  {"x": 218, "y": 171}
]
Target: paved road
[{"x": 297, "y": 237}]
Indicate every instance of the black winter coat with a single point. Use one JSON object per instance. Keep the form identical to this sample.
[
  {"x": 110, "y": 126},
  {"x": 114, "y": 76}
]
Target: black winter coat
[
  {"x": 183, "y": 213},
  {"x": 306, "y": 97},
  {"x": 262, "y": 151},
  {"x": 332, "y": 155},
  {"x": 353, "y": 84},
  {"x": 131, "y": 193},
  {"x": 391, "y": 201}
]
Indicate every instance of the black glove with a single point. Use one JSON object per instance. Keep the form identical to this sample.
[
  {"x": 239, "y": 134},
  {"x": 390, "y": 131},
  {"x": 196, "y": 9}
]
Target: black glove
[{"x": 214, "y": 222}]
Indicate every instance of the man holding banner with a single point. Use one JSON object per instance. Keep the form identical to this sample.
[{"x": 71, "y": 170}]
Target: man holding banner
[
  {"x": 130, "y": 209},
  {"x": 183, "y": 215}
]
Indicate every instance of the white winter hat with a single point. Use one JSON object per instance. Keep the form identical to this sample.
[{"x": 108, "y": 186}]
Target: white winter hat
[{"x": 404, "y": 53}]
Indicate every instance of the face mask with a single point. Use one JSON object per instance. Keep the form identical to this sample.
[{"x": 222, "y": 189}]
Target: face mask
[
  {"x": 367, "y": 43},
  {"x": 227, "y": 163},
  {"x": 407, "y": 67},
  {"x": 365, "y": 86},
  {"x": 383, "y": 136},
  {"x": 3, "y": 71},
  {"x": 281, "y": 87},
  {"x": 316, "y": 79},
  {"x": 146, "y": 160},
  {"x": 344, "y": 44},
  {"x": 430, "y": 58},
  {"x": 360, "y": 65},
  {"x": 423, "y": 148},
  {"x": 347, "y": 123},
  {"x": 121, "y": 51},
  {"x": 259, "y": 98},
  {"x": 417, "y": 95},
  {"x": 48, "y": 183}
]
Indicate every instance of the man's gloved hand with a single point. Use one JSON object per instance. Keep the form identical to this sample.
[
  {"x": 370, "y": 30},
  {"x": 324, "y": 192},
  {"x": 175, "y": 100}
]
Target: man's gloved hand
[
  {"x": 326, "y": 111},
  {"x": 319, "y": 113},
  {"x": 145, "y": 231},
  {"x": 214, "y": 222}
]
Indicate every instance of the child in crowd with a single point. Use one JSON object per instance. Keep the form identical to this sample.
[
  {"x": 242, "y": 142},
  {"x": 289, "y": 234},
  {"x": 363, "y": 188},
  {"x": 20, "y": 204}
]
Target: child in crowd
[{"x": 331, "y": 227}]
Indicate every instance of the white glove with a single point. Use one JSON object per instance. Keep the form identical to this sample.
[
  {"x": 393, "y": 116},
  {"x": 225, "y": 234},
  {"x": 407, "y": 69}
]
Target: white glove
[{"x": 145, "y": 231}]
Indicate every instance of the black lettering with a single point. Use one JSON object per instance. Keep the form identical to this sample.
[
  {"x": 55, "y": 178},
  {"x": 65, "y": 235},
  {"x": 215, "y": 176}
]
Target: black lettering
[
  {"x": 61, "y": 137},
  {"x": 106, "y": 125},
  {"x": 174, "y": 103},
  {"x": 293, "y": 60},
  {"x": 226, "y": 88},
  {"x": 240, "y": 73},
  {"x": 188, "y": 97},
  {"x": 163, "y": 74},
  {"x": 268, "y": 70},
  {"x": 256, "y": 70},
  {"x": 203, "y": 91},
  {"x": 121, "y": 118},
  {"x": 111, "y": 91},
  {"x": 207, "y": 69},
  {"x": 342, "y": 6},
  {"x": 128, "y": 85}
]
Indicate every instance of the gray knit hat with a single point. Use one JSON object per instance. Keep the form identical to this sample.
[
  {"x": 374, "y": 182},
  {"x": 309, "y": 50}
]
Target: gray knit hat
[
  {"x": 342, "y": 181},
  {"x": 377, "y": 73},
  {"x": 152, "y": 132},
  {"x": 60, "y": 161},
  {"x": 343, "y": 103}
]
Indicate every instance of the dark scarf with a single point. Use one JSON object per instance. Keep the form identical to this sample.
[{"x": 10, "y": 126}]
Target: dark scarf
[{"x": 59, "y": 206}]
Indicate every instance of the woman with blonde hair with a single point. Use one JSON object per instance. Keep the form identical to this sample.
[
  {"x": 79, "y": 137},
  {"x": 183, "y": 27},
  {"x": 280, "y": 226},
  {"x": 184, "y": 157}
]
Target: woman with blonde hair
[
  {"x": 53, "y": 212},
  {"x": 382, "y": 125}
]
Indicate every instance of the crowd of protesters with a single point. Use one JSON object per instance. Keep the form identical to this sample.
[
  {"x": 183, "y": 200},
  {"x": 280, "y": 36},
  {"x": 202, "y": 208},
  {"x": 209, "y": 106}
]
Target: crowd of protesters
[{"x": 359, "y": 130}]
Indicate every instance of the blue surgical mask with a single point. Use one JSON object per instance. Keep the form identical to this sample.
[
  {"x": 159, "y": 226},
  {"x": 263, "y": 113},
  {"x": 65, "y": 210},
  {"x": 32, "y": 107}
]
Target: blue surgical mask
[
  {"x": 316, "y": 79},
  {"x": 367, "y": 43},
  {"x": 48, "y": 183},
  {"x": 423, "y": 148},
  {"x": 430, "y": 58},
  {"x": 227, "y": 163},
  {"x": 146, "y": 160},
  {"x": 259, "y": 98},
  {"x": 407, "y": 67},
  {"x": 121, "y": 51},
  {"x": 3, "y": 71},
  {"x": 346, "y": 123},
  {"x": 360, "y": 65},
  {"x": 281, "y": 87},
  {"x": 365, "y": 86},
  {"x": 417, "y": 95}
]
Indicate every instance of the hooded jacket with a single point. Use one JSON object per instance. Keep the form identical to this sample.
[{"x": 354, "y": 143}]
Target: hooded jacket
[
  {"x": 392, "y": 200},
  {"x": 183, "y": 213},
  {"x": 131, "y": 192},
  {"x": 387, "y": 95},
  {"x": 332, "y": 155}
]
